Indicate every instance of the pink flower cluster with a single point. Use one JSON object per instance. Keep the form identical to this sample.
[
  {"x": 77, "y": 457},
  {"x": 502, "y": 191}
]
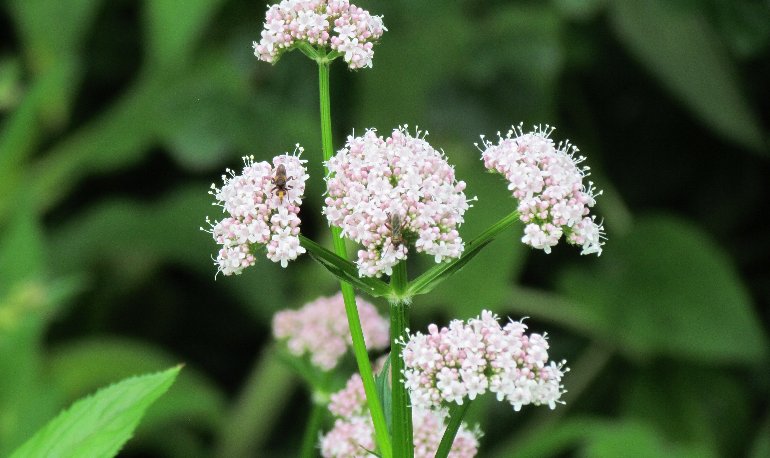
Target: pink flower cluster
[
  {"x": 353, "y": 433},
  {"x": 261, "y": 213},
  {"x": 466, "y": 360},
  {"x": 344, "y": 27},
  {"x": 392, "y": 193},
  {"x": 547, "y": 181},
  {"x": 320, "y": 328}
]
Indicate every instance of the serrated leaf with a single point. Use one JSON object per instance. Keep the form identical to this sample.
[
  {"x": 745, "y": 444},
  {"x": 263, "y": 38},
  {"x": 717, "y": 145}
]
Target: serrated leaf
[
  {"x": 675, "y": 42},
  {"x": 99, "y": 425},
  {"x": 344, "y": 269}
]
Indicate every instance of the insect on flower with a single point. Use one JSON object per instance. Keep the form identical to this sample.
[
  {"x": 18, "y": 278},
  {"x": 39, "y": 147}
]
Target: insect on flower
[
  {"x": 279, "y": 182},
  {"x": 396, "y": 227}
]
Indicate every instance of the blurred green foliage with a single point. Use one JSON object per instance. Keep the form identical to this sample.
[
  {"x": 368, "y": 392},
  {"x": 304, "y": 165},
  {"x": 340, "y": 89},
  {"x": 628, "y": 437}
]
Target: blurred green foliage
[{"x": 116, "y": 117}]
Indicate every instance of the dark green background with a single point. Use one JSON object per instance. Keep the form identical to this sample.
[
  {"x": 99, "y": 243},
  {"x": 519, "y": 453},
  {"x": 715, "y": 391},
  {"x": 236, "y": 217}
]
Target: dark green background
[{"x": 118, "y": 115}]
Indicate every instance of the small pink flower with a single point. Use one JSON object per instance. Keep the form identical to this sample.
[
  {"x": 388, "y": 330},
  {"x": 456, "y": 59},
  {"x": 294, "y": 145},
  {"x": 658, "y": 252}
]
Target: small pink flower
[
  {"x": 338, "y": 24},
  {"x": 320, "y": 329},
  {"x": 547, "y": 181},
  {"x": 353, "y": 433},
  {"x": 262, "y": 213},
  {"x": 467, "y": 359},
  {"x": 392, "y": 194}
]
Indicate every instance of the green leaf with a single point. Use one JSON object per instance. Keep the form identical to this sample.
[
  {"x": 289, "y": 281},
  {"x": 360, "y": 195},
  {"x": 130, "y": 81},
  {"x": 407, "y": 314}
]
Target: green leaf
[
  {"x": 382, "y": 383},
  {"x": 99, "y": 425},
  {"x": 666, "y": 288},
  {"x": 674, "y": 41},
  {"x": 344, "y": 269}
]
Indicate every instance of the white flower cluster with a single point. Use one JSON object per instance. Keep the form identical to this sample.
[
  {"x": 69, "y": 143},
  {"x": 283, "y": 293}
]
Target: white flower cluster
[
  {"x": 263, "y": 206},
  {"x": 353, "y": 433},
  {"x": 547, "y": 181},
  {"x": 389, "y": 194},
  {"x": 466, "y": 360},
  {"x": 344, "y": 27}
]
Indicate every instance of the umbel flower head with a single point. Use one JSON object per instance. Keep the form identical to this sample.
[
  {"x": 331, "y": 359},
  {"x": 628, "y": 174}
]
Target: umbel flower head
[
  {"x": 262, "y": 204},
  {"x": 320, "y": 329},
  {"x": 353, "y": 433},
  {"x": 390, "y": 194},
  {"x": 345, "y": 28},
  {"x": 467, "y": 359},
  {"x": 547, "y": 181}
]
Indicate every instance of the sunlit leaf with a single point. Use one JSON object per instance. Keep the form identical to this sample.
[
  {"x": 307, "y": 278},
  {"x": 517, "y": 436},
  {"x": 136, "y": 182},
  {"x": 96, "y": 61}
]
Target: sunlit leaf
[{"x": 99, "y": 425}]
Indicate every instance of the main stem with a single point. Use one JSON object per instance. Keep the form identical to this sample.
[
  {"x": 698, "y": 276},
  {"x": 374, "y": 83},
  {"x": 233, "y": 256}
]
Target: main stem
[
  {"x": 403, "y": 442},
  {"x": 348, "y": 295}
]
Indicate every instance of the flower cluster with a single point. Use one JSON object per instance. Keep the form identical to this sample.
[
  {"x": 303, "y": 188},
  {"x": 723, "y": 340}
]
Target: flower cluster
[
  {"x": 263, "y": 206},
  {"x": 547, "y": 181},
  {"x": 462, "y": 360},
  {"x": 391, "y": 193},
  {"x": 353, "y": 433},
  {"x": 321, "y": 329},
  {"x": 344, "y": 27}
]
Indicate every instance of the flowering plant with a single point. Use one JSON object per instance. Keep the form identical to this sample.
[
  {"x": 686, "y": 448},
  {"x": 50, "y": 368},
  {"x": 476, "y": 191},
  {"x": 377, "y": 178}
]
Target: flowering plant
[{"x": 392, "y": 196}]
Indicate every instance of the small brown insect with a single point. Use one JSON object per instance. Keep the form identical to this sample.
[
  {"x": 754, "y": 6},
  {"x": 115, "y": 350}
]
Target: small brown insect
[
  {"x": 279, "y": 182},
  {"x": 396, "y": 227}
]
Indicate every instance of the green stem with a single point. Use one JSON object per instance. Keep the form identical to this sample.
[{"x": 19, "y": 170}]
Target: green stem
[
  {"x": 456, "y": 414},
  {"x": 348, "y": 295},
  {"x": 439, "y": 272},
  {"x": 310, "y": 440},
  {"x": 403, "y": 442},
  {"x": 493, "y": 230}
]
